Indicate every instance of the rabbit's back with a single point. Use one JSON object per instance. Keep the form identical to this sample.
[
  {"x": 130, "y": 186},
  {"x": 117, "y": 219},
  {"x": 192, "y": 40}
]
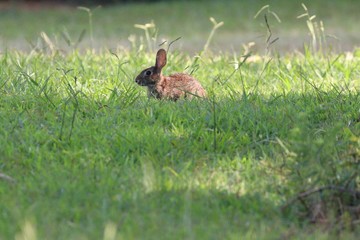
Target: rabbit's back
[{"x": 180, "y": 85}]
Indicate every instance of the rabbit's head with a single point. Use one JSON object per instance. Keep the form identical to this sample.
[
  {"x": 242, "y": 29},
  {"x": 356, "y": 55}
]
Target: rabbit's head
[{"x": 150, "y": 76}]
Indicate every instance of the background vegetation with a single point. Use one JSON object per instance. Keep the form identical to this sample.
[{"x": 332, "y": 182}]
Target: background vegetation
[
  {"x": 273, "y": 152},
  {"x": 74, "y": 2},
  {"x": 21, "y": 25}
]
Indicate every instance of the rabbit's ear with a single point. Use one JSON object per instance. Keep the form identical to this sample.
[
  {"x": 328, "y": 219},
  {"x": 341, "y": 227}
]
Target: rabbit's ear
[{"x": 160, "y": 60}]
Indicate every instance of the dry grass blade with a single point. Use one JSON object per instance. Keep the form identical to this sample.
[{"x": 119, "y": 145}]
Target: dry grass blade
[
  {"x": 7, "y": 178},
  {"x": 317, "y": 190},
  {"x": 319, "y": 211}
]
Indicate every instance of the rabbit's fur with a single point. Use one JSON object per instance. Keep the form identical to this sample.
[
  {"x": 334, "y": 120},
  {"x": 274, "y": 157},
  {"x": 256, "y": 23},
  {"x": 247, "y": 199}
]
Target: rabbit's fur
[{"x": 170, "y": 87}]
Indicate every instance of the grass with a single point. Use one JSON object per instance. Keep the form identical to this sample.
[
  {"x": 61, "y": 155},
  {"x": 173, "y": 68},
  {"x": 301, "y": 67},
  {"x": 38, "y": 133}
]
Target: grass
[
  {"x": 86, "y": 155},
  {"x": 87, "y": 148},
  {"x": 113, "y": 25}
]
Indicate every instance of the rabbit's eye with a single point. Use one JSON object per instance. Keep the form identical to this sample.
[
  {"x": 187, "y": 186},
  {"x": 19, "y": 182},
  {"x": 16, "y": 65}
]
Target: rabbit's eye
[{"x": 148, "y": 73}]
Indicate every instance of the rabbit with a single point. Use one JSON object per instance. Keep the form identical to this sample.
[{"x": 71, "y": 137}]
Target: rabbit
[{"x": 171, "y": 87}]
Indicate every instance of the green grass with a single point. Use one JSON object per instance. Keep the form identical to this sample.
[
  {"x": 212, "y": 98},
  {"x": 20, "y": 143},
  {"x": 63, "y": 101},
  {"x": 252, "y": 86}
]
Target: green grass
[
  {"x": 93, "y": 151},
  {"x": 86, "y": 155},
  {"x": 188, "y": 19}
]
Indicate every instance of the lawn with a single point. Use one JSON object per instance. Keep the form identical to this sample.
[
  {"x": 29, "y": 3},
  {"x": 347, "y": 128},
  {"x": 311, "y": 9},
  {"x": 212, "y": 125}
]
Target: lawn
[
  {"x": 113, "y": 25},
  {"x": 272, "y": 153}
]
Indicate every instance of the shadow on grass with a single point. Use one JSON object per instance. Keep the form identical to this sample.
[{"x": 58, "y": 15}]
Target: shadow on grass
[{"x": 208, "y": 214}]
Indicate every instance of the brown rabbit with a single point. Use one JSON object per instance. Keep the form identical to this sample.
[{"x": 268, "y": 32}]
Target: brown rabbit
[{"x": 168, "y": 87}]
